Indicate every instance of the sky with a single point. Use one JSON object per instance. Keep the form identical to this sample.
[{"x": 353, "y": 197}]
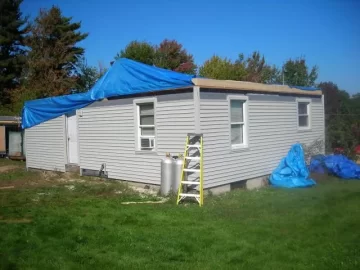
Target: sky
[{"x": 326, "y": 33}]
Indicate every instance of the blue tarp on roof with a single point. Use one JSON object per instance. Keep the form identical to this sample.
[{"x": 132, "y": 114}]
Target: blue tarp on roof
[
  {"x": 125, "y": 77},
  {"x": 306, "y": 88}
]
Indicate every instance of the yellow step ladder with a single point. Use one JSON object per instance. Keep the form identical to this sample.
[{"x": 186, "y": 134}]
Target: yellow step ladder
[{"x": 192, "y": 183}]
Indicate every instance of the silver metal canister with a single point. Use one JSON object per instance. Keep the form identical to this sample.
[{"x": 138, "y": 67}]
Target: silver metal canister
[
  {"x": 177, "y": 168},
  {"x": 166, "y": 174}
]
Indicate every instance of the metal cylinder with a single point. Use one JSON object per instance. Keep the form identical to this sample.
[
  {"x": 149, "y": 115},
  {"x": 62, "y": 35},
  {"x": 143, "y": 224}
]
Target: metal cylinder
[
  {"x": 177, "y": 170},
  {"x": 166, "y": 174}
]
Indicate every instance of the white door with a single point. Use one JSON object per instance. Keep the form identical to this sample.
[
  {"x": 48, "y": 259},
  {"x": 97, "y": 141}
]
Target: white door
[
  {"x": 72, "y": 136},
  {"x": 15, "y": 141}
]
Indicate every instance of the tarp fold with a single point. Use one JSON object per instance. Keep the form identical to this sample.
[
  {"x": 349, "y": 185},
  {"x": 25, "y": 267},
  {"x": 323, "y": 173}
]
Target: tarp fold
[
  {"x": 292, "y": 171},
  {"x": 338, "y": 165}
]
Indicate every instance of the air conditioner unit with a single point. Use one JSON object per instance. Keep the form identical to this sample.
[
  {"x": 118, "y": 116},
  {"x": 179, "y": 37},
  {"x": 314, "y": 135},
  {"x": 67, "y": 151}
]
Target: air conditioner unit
[{"x": 147, "y": 143}]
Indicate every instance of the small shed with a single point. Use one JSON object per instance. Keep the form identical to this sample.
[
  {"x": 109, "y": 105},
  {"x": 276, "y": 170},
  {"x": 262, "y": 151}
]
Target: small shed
[
  {"x": 11, "y": 137},
  {"x": 136, "y": 113}
]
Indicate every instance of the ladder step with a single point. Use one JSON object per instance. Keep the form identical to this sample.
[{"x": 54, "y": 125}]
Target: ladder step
[
  {"x": 193, "y": 158},
  {"x": 190, "y": 183},
  {"x": 191, "y": 170},
  {"x": 194, "y": 146},
  {"x": 190, "y": 195}
]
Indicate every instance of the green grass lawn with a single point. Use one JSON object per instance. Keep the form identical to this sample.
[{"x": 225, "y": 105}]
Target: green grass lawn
[{"x": 47, "y": 222}]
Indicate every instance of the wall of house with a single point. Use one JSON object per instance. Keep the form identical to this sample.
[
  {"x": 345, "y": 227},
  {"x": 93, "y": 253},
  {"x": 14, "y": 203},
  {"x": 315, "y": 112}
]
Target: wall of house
[
  {"x": 273, "y": 128},
  {"x": 107, "y": 135},
  {"x": 46, "y": 145}
]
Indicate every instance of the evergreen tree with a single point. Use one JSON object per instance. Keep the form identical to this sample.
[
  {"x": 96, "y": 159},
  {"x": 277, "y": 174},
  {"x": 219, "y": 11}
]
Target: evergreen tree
[
  {"x": 296, "y": 72},
  {"x": 259, "y": 71},
  {"x": 12, "y": 31},
  {"x": 87, "y": 75},
  {"x": 140, "y": 51},
  {"x": 54, "y": 56}
]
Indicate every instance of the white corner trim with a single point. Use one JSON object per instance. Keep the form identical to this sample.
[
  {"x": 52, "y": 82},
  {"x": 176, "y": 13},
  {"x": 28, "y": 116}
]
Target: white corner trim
[
  {"x": 196, "y": 92},
  {"x": 65, "y": 134}
]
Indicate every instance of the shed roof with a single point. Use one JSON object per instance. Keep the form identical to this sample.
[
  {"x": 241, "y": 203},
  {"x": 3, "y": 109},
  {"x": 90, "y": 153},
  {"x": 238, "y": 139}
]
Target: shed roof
[
  {"x": 12, "y": 120},
  {"x": 255, "y": 87}
]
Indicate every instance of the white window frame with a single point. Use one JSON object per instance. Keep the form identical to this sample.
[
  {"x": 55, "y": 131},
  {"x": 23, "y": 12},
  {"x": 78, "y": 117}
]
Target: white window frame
[
  {"x": 308, "y": 101},
  {"x": 138, "y": 136},
  {"x": 245, "y": 123}
]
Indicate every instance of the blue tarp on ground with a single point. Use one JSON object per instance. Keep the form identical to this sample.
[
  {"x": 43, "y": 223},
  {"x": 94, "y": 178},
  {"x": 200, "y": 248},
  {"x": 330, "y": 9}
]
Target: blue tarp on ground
[
  {"x": 292, "y": 171},
  {"x": 338, "y": 165},
  {"x": 125, "y": 77}
]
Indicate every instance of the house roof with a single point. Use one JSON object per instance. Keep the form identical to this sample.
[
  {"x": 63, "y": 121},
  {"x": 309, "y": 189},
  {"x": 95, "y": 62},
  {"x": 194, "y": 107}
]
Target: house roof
[
  {"x": 255, "y": 87},
  {"x": 127, "y": 77}
]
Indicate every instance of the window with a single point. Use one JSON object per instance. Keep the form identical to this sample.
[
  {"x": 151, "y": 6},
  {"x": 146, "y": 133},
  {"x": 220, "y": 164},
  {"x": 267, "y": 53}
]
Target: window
[
  {"x": 303, "y": 114},
  {"x": 146, "y": 123},
  {"x": 238, "y": 122}
]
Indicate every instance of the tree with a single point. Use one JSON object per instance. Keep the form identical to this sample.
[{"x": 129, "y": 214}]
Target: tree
[
  {"x": 139, "y": 51},
  {"x": 257, "y": 70},
  {"x": 12, "y": 53},
  {"x": 332, "y": 97},
  {"x": 171, "y": 55},
  {"x": 52, "y": 61},
  {"x": 88, "y": 75},
  {"x": 342, "y": 119},
  {"x": 255, "y": 65},
  {"x": 222, "y": 69},
  {"x": 296, "y": 72},
  {"x": 271, "y": 75},
  {"x": 253, "y": 69}
]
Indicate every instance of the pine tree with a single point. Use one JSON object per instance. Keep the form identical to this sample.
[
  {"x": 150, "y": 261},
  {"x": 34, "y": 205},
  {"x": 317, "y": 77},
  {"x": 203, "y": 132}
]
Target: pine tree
[
  {"x": 52, "y": 61},
  {"x": 296, "y": 72},
  {"x": 87, "y": 75},
  {"x": 12, "y": 54}
]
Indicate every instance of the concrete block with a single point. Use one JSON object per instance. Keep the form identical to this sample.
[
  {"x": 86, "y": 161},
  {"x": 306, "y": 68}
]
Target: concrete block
[
  {"x": 141, "y": 185},
  {"x": 219, "y": 189},
  {"x": 72, "y": 168},
  {"x": 256, "y": 182}
]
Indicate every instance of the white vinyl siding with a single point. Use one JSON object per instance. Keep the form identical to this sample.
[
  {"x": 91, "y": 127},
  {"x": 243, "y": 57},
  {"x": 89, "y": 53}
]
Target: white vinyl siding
[
  {"x": 108, "y": 134},
  {"x": 46, "y": 145},
  {"x": 272, "y": 129}
]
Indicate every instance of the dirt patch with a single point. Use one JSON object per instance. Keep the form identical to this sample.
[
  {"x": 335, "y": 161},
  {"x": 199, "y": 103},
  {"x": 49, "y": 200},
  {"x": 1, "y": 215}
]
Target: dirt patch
[
  {"x": 319, "y": 177},
  {"x": 163, "y": 200},
  {"x": 8, "y": 168},
  {"x": 7, "y": 187},
  {"x": 17, "y": 177},
  {"x": 16, "y": 221}
]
